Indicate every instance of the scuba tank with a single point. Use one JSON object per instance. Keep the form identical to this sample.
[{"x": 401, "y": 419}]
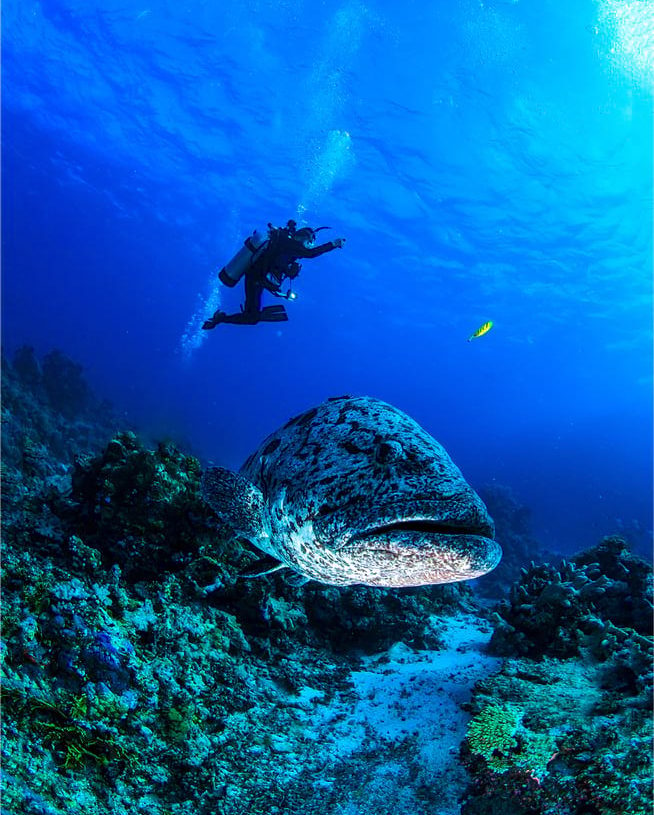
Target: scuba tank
[{"x": 233, "y": 271}]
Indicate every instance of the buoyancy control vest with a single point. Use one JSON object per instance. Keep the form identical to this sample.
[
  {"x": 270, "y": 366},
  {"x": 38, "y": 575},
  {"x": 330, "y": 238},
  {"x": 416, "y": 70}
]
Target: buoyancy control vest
[{"x": 275, "y": 241}]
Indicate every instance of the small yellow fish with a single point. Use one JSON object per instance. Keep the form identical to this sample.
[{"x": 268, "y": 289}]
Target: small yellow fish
[{"x": 481, "y": 330}]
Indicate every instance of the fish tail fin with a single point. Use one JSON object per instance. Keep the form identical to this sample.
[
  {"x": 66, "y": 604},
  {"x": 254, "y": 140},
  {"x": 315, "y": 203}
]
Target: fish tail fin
[{"x": 236, "y": 501}]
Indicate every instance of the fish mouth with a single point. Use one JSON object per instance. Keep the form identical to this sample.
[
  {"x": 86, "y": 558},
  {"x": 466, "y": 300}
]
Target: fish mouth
[
  {"x": 422, "y": 551},
  {"x": 425, "y": 526}
]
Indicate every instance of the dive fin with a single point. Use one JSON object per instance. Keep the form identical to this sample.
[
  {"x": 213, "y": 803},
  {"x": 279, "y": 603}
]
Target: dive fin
[
  {"x": 236, "y": 501},
  {"x": 266, "y": 565},
  {"x": 273, "y": 314},
  {"x": 212, "y": 322}
]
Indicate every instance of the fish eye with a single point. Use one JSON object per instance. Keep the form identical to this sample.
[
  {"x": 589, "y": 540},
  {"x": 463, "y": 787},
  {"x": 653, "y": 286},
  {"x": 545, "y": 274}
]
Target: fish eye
[{"x": 388, "y": 451}]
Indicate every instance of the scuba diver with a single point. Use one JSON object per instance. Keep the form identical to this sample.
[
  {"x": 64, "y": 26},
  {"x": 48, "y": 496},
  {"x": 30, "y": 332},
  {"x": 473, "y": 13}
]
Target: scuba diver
[{"x": 266, "y": 261}]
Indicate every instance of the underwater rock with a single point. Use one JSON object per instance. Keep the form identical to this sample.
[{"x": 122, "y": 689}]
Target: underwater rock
[
  {"x": 140, "y": 508},
  {"x": 552, "y": 611},
  {"x": 64, "y": 384},
  {"x": 38, "y": 447},
  {"x": 575, "y": 697},
  {"x": 40, "y": 438}
]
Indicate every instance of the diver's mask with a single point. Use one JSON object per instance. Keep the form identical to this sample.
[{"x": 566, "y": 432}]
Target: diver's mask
[{"x": 306, "y": 236}]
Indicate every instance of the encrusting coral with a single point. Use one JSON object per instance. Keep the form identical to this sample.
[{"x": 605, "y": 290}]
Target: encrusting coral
[
  {"x": 141, "y": 509},
  {"x": 552, "y": 611},
  {"x": 578, "y": 680}
]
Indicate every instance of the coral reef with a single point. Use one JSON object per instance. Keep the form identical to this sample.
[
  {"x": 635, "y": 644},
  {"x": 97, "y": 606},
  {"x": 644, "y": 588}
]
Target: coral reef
[
  {"x": 139, "y": 672},
  {"x": 140, "y": 509},
  {"x": 566, "y": 726},
  {"x": 49, "y": 414},
  {"x": 552, "y": 611}
]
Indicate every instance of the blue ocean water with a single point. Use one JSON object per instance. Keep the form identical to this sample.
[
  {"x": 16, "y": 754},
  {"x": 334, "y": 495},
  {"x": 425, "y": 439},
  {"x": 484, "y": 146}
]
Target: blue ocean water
[{"x": 484, "y": 161}]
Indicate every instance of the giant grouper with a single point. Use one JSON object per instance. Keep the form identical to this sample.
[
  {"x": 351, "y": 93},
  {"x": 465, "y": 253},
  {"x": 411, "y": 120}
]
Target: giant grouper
[{"x": 355, "y": 491}]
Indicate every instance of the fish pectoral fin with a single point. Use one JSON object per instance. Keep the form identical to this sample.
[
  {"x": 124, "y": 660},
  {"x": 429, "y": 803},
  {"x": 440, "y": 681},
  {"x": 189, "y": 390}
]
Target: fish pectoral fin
[
  {"x": 295, "y": 579},
  {"x": 261, "y": 567},
  {"x": 236, "y": 501}
]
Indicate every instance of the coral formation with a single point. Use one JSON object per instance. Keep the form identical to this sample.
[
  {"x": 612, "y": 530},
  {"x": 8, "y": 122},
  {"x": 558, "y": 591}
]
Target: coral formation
[
  {"x": 579, "y": 682},
  {"x": 47, "y": 421},
  {"x": 497, "y": 734},
  {"x": 552, "y": 611},
  {"x": 140, "y": 673},
  {"x": 141, "y": 509},
  {"x": 490, "y": 734}
]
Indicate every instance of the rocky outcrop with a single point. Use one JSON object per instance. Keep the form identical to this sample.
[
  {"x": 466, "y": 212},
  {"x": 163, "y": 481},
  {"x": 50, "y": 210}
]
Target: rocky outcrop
[{"x": 565, "y": 727}]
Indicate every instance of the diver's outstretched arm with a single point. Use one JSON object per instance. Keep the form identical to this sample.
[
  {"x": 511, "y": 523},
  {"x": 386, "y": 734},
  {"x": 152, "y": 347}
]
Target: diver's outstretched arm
[{"x": 316, "y": 251}]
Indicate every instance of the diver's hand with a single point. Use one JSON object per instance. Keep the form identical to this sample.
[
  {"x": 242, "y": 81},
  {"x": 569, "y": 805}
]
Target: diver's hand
[{"x": 338, "y": 243}]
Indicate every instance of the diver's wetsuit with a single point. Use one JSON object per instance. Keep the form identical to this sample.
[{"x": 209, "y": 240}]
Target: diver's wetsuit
[{"x": 277, "y": 262}]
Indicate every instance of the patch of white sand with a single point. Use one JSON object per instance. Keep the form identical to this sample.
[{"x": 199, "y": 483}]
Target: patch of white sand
[{"x": 411, "y": 698}]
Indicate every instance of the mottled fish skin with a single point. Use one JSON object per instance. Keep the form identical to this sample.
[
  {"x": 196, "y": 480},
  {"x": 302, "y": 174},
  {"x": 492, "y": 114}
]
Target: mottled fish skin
[{"x": 357, "y": 492}]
